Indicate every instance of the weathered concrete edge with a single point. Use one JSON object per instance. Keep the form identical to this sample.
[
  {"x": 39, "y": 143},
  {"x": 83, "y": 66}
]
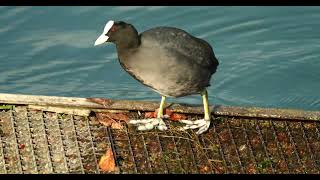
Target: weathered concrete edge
[{"x": 98, "y": 104}]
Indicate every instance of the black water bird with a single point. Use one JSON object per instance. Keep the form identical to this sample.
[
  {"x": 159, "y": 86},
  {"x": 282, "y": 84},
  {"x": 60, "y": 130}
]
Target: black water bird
[{"x": 169, "y": 60}]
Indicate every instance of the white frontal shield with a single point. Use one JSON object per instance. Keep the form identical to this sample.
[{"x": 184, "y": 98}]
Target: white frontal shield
[{"x": 103, "y": 37}]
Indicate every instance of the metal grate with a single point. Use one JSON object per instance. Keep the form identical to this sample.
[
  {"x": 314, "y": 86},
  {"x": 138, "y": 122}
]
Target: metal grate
[{"x": 45, "y": 142}]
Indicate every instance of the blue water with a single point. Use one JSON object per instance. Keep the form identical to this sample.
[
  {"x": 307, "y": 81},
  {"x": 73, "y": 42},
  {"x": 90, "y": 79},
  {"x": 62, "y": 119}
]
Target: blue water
[{"x": 269, "y": 56}]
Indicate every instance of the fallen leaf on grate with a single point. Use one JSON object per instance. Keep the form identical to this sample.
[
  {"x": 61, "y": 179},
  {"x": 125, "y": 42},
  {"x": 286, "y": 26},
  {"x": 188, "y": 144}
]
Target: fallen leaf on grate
[
  {"x": 282, "y": 137},
  {"x": 172, "y": 116},
  {"x": 21, "y": 146},
  {"x": 112, "y": 119},
  {"x": 115, "y": 116},
  {"x": 104, "y": 119},
  {"x": 107, "y": 162},
  {"x": 251, "y": 169},
  {"x": 204, "y": 169},
  {"x": 116, "y": 125},
  {"x": 177, "y": 117},
  {"x": 150, "y": 115}
]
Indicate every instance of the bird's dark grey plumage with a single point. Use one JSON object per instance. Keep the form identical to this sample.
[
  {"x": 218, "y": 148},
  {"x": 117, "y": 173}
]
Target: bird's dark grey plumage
[{"x": 166, "y": 59}]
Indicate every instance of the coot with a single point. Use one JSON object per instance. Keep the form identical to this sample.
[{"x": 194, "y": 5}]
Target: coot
[{"x": 169, "y": 60}]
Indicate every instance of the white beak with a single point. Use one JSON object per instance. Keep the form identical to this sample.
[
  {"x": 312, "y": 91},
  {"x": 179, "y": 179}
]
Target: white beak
[{"x": 103, "y": 37}]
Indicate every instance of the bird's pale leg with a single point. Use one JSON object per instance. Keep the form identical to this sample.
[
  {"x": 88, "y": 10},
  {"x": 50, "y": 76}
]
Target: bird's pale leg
[
  {"x": 161, "y": 126},
  {"x": 148, "y": 124},
  {"x": 202, "y": 124},
  {"x": 163, "y": 102}
]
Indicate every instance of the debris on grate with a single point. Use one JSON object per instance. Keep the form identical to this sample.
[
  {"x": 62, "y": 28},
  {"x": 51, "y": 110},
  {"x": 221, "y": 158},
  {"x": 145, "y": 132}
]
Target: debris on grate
[
  {"x": 168, "y": 114},
  {"x": 107, "y": 162},
  {"x": 112, "y": 120},
  {"x": 37, "y": 141}
]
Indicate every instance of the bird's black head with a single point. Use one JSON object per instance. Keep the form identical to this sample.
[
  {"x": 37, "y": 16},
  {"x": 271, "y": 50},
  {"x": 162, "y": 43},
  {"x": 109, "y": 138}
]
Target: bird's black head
[{"x": 120, "y": 33}]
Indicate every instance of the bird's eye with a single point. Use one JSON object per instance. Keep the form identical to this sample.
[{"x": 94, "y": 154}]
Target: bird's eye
[{"x": 113, "y": 29}]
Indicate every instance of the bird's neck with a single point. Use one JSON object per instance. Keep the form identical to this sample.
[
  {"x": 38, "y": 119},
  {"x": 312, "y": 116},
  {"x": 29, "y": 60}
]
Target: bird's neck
[
  {"x": 128, "y": 42},
  {"x": 126, "y": 54}
]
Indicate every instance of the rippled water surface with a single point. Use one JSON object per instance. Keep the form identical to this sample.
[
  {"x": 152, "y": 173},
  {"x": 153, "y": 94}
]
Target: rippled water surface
[{"x": 269, "y": 56}]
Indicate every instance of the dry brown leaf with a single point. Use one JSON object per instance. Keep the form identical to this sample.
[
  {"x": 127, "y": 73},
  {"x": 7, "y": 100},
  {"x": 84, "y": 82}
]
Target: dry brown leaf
[
  {"x": 154, "y": 114},
  {"x": 120, "y": 116},
  {"x": 104, "y": 119},
  {"x": 21, "y": 146},
  {"x": 170, "y": 146},
  {"x": 106, "y": 123},
  {"x": 111, "y": 119},
  {"x": 168, "y": 112},
  {"x": 107, "y": 162},
  {"x": 116, "y": 125},
  {"x": 282, "y": 137},
  {"x": 204, "y": 169},
  {"x": 251, "y": 169},
  {"x": 177, "y": 117},
  {"x": 149, "y": 115},
  {"x": 115, "y": 116}
]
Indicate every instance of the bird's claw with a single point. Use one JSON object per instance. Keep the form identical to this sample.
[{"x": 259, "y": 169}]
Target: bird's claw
[
  {"x": 202, "y": 124},
  {"x": 148, "y": 124}
]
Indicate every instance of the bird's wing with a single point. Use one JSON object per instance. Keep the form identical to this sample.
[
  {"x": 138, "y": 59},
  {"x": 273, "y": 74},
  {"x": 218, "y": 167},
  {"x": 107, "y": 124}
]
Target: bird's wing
[{"x": 180, "y": 41}]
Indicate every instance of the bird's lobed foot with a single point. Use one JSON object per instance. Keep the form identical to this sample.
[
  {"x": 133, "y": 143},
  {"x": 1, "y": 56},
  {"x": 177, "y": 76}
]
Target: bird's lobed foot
[
  {"x": 202, "y": 124},
  {"x": 148, "y": 124}
]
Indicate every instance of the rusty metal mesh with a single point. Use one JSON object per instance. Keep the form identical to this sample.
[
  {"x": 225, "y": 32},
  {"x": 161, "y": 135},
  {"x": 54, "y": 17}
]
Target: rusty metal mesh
[{"x": 45, "y": 142}]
